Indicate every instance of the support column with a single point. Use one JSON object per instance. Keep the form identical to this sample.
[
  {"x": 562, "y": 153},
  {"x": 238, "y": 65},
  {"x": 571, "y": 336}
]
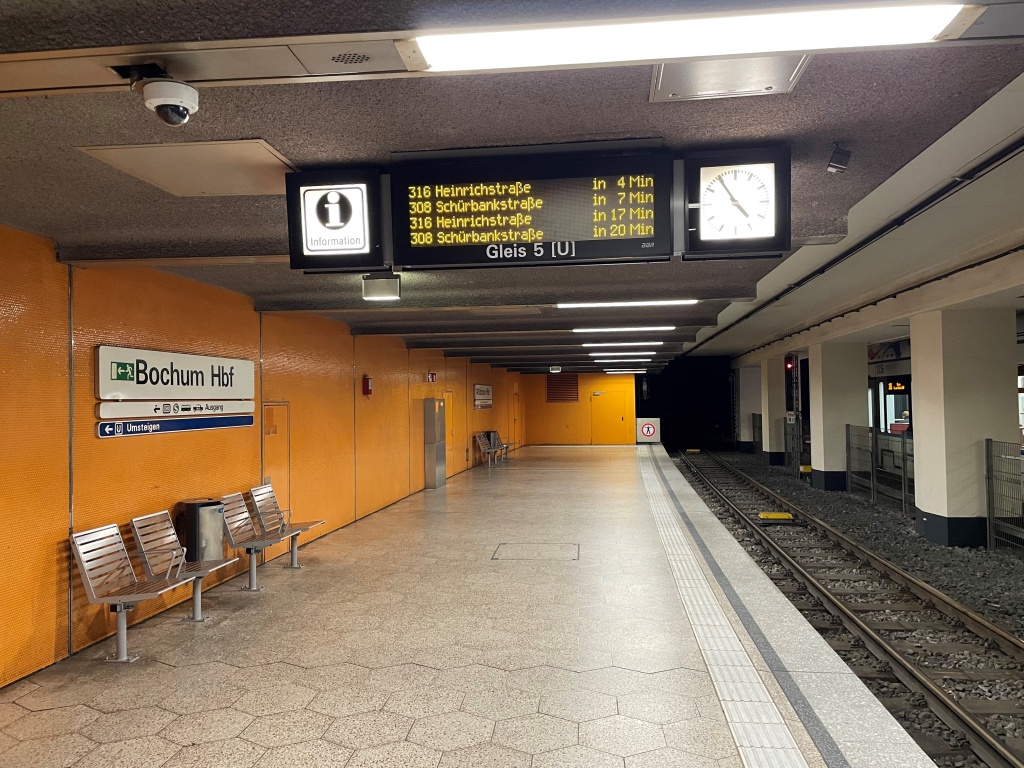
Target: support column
[
  {"x": 773, "y": 409},
  {"x": 839, "y": 396},
  {"x": 963, "y": 390},
  {"x": 748, "y": 402}
]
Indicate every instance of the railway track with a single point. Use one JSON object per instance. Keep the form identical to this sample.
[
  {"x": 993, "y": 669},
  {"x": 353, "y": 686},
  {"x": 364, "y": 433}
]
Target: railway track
[{"x": 925, "y": 655}]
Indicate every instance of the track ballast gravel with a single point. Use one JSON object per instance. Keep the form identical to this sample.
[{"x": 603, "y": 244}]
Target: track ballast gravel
[{"x": 991, "y": 583}]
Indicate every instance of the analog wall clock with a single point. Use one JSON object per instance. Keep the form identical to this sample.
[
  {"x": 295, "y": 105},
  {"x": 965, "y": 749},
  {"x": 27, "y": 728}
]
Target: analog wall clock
[{"x": 737, "y": 203}]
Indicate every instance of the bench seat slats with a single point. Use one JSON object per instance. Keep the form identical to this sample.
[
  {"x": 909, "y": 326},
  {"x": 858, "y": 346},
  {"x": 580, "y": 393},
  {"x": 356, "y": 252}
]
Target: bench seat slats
[{"x": 272, "y": 518}]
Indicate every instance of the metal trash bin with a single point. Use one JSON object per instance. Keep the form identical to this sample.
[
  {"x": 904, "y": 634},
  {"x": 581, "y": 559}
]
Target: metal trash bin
[{"x": 200, "y": 527}]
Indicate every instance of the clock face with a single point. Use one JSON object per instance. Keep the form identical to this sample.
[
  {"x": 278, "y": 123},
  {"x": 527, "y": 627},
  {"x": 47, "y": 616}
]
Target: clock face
[{"x": 737, "y": 202}]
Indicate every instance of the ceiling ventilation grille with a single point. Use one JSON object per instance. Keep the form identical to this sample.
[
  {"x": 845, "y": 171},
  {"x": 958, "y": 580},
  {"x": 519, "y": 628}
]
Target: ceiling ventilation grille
[
  {"x": 563, "y": 388},
  {"x": 350, "y": 58}
]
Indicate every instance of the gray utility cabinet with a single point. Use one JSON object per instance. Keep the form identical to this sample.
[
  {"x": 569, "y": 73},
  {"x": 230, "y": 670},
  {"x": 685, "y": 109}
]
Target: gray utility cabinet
[{"x": 434, "y": 447}]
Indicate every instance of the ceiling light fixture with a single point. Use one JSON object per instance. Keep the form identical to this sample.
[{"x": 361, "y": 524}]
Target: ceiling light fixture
[
  {"x": 629, "y": 343},
  {"x": 659, "y": 303},
  {"x": 634, "y": 370},
  {"x": 631, "y": 352},
  {"x": 691, "y": 37},
  {"x": 626, "y": 360},
  {"x": 386, "y": 286},
  {"x": 645, "y": 329}
]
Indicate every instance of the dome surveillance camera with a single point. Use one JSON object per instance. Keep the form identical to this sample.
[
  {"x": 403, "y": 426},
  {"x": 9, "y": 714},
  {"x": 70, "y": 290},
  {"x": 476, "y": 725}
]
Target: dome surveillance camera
[{"x": 173, "y": 101}]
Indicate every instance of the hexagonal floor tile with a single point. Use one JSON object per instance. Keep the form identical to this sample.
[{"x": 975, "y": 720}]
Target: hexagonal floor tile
[
  {"x": 670, "y": 758},
  {"x": 146, "y": 752},
  {"x": 615, "y": 681},
  {"x": 424, "y": 702},
  {"x": 472, "y": 677},
  {"x": 229, "y": 753},
  {"x": 287, "y": 728},
  {"x": 274, "y": 699},
  {"x": 370, "y": 729},
  {"x": 132, "y": 724},
  {"x": 450, "y": 731},
  {"x": 351, "y": 701},
  {"x": 703, "y": 736},
  {"x": 305, "y": 754},
  {"x": 683, "y": 682},
  {"x": 621, "y": 735},
  {"x": 201, "y": 727},
  {"x": 576, "y": 757},
  {"x": 501, "y": 704},
  {"x": 402, "y": 676},
  {"x": 657, "y": 707},
  {"x": 202, "y": 697},
  {"x": 402, "y": 754},
  {"x": 54, "y": 752},
  {"x": 578, "y": 705},
  {"x": 542, "y": 679},
  {"x": 51, "y": 722},
  {"x": 9, "y": 713},
  {"x": 337, "y": 677},
  {"x": 536, "y": 733},
  {"x": 485, "y": 756}
]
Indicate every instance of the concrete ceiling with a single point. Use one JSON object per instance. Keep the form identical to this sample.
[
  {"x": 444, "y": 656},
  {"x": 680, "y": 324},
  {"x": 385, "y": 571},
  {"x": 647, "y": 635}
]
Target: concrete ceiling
[{"x": 887, "y": 107}]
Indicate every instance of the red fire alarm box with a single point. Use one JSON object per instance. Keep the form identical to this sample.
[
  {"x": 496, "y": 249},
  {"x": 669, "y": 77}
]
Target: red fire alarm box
[{"x": 367, "y": 385}]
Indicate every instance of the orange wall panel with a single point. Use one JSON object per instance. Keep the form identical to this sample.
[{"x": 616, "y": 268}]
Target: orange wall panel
[
  {"x": 456, "y": 381},
  {"x": 381, "y": 423},
  {"x": 572, "y": 423},
  {"x": 120, "y": 478},
  {"x": 479, "y": 420},
  {"x": 34, "y": 493},
  {"x": 421, "y": 362},
  {"x": 308, "y": 362}
]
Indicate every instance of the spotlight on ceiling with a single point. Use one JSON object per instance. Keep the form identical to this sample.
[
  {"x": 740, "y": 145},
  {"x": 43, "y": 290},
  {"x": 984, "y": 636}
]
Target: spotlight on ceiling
[
  {"x": 555, "y": 369},
  {"x": 840, "y": 159},
  {"x": 386, "y": 286}
]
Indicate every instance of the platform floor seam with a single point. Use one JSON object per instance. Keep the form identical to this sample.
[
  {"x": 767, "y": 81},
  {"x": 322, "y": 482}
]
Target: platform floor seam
[{"x": 758, "y": 728}]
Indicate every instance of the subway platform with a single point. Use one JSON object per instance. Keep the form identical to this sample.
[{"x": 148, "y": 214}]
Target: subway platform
[{"x": 572, "y": 607}]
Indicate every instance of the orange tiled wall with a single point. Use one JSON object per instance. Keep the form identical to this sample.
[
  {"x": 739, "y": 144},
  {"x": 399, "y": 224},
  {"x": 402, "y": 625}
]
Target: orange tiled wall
[
  {"x": 569, "y": 423},
  {"x": 34, "y": 455}
]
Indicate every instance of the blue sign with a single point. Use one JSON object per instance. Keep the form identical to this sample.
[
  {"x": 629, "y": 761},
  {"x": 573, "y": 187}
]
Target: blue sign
[{"x": 159, "y": 426}]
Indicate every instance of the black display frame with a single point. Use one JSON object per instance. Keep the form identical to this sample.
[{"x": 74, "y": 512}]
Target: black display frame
[
  {"x": 363, "y": 262},
  {"x": 528, "y": 167},
  {"x": 694, "y": 248}
]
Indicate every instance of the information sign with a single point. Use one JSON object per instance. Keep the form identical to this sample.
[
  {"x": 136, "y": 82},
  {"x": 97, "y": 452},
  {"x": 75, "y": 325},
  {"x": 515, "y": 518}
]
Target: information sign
[
  {"x": 483, "y": 395},
  {"x": 532, "y": 210},
  {"x": 144, "y": 374},
  {"x": 160, "y": 426},
  {"x": 141, "y": 409}
]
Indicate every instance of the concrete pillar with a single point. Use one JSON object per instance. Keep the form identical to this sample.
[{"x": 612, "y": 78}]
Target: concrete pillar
[
  {"x": 773, "y": 409},
  {"x": 839, "y": 396},
  {"x": 748, "y": 402},
  {"x": 963, "y": 390}
]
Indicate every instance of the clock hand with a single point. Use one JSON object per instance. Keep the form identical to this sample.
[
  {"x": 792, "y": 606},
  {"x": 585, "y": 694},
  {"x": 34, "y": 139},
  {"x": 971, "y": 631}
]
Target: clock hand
[{"x": 731, "y": 197}]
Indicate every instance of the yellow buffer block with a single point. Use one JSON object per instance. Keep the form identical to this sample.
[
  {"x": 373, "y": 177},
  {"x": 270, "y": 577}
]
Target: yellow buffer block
[{"x": 775, "y": 515}]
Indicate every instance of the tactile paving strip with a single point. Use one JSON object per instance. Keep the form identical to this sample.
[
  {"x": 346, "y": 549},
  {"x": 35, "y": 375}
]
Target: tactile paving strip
[{"x": 762, "y": 736}]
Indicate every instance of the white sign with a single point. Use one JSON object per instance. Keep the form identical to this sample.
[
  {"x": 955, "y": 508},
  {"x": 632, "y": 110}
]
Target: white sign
[
  {"x": 334, "y": 220},
  {"x": 142, "y": 374},
  {"x": 158, "y": 409},
  {"x": 648, "y": 430},
  {"x": 482, "y": 396}
]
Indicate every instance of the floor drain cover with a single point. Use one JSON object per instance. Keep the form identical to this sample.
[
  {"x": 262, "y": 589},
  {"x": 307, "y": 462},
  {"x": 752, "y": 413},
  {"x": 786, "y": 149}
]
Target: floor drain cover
[{"x": 537, "y": 552}]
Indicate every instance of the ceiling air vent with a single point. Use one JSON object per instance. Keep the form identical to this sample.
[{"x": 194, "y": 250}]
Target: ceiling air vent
[
  {"x": 727, "y": 78},
  {"x": 350, "y": 58},
  {"x": 563, "y": 388},
  {"x": 344, "y": 58}
]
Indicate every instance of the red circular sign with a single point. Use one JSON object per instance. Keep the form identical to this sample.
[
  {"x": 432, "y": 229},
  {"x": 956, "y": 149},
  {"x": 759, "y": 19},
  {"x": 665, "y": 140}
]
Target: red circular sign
[{"x": 647, "y": 429}]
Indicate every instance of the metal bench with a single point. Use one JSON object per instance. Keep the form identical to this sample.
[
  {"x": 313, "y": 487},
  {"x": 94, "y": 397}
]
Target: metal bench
[
  {"x": 497, "y": 442},
  {"x": 273, "y": 519},
  {"x": 483, "y": 443},
  {"x": 242, "y": 534},
  {"x": 109, "y": 578},
  {"x": 161, "y": 553}
]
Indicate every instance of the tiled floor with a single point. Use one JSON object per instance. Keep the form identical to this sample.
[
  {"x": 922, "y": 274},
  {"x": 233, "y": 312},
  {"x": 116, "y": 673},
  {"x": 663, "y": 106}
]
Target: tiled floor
[{"x": 460, "y": 627}]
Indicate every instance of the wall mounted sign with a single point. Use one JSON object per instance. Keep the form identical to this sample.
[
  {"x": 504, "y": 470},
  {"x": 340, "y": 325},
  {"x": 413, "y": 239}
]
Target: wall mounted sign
[
  {"x": 531, "y": 210},
  {"x": 648, "y": 430},
  {"x": 737, "y": 203},
  {"x": 143, "y": 409},
  {"x": 106, "y": 429},
  {"x": 334, "y": 219},
  {"x": 482, "y": 396},
  {"x": 144, "y": 374}
]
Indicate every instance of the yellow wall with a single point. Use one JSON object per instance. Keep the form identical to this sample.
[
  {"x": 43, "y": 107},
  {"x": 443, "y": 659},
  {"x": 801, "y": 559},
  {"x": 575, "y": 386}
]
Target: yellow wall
[
  {"x": 349, "y": 455},
  {"x": 34, "y": 491},
  {"x": 573, "y": 423}
]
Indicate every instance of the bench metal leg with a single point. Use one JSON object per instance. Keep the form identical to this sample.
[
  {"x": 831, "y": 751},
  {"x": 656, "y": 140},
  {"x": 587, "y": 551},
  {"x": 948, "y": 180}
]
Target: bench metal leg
[
  {"x": 197, "y": 603},
  {"x": 121, "y": 651},
  {"x": 293, "y": 546},
  {"x": 252, "y": 586}
]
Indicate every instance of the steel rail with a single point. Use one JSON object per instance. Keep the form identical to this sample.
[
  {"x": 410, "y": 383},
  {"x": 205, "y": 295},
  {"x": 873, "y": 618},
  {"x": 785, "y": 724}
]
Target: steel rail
[{"x": 983, "y": 742}]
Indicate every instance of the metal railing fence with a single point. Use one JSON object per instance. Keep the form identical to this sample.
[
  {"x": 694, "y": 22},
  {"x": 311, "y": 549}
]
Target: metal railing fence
[
  {"x": 880, "y": 465},
  {"x": 1004, "y": 475}
]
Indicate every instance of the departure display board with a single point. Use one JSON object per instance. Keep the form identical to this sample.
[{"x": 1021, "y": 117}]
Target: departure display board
[{"x": 532, "y": 210}]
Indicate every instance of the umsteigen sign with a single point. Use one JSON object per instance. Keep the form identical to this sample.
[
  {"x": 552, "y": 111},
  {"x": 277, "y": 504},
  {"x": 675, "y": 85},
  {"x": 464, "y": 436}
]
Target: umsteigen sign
[{"x": 143, "y": 374}]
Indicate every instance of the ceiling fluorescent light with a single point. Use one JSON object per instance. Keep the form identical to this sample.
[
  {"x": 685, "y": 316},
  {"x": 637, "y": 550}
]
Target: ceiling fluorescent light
[
  {"x": 645, "y": 329},
  {"x": 637, "y": 370},
  {"x": 594, "y": 305},
  {"x": 633, "y": 352},
  {"x": 738, "y": 34},
  {"x": 626, "y": 360},
  {"x": 624, "y": 344}
]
